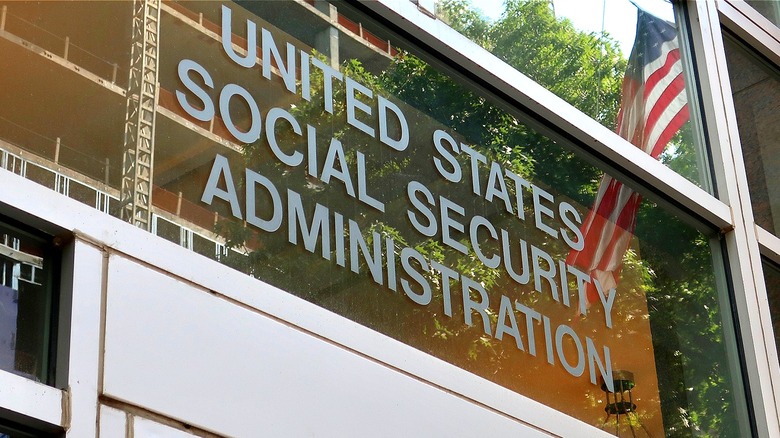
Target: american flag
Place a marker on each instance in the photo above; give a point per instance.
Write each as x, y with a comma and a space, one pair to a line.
653, 108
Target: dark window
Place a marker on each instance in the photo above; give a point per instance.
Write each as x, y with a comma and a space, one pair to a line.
29, 264
26, 428
772, 279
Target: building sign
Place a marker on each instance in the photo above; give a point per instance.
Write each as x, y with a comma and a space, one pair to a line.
357, 200
318, 154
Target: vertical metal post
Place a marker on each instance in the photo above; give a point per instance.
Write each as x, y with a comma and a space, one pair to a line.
3, 13
140, 115
67, 47
57, 151
327, 40
113, 73
333, 38
106, 168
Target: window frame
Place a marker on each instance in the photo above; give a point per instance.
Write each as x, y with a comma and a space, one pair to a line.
38, 408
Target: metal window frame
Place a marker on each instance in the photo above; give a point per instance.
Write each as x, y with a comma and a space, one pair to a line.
763, 36
29, 407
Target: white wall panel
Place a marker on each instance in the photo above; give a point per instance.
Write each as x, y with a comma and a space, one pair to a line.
113, 423
185, 353
144, 428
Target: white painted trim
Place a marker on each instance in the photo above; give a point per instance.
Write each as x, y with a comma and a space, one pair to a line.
769, 244
32, 399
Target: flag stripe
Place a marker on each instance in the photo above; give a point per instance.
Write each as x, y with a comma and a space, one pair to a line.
659, 92
671, 129
665, 48
670, 101
665, 93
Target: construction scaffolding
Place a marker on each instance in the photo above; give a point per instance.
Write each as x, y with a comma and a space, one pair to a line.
141, 111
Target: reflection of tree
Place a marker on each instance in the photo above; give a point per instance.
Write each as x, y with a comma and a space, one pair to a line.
585, 70
675, 268
687, 332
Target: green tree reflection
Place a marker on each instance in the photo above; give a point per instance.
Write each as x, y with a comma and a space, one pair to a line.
673, 271
586, 70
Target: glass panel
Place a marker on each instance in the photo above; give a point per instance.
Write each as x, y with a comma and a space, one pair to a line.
755, 85
768, 8
587, 52
27, 267
345, 169
204, 246
772, 279
84, 194
41, 175
168, 231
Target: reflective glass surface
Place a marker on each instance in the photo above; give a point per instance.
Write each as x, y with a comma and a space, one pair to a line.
755, 84
299, 143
